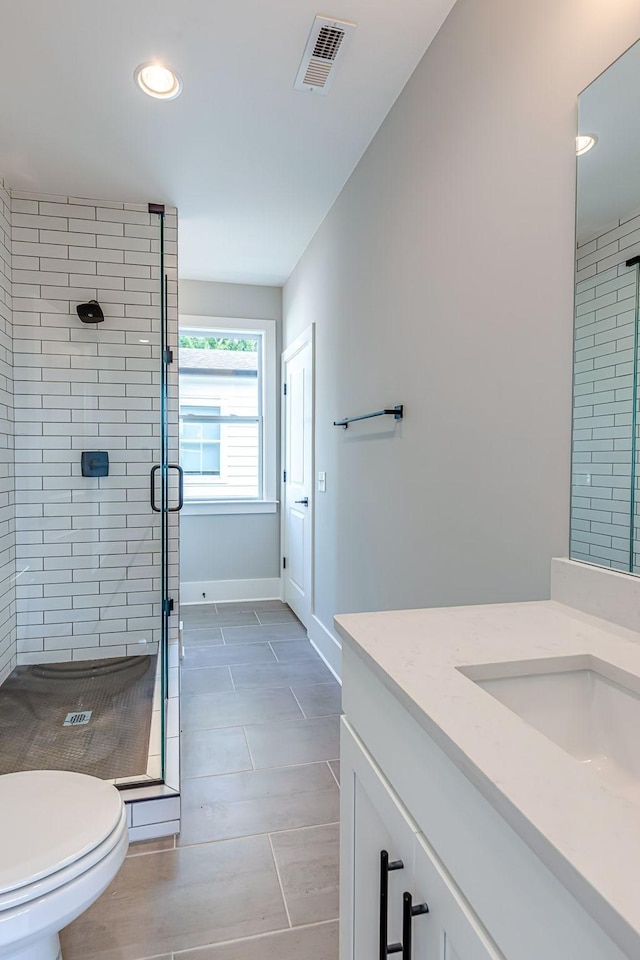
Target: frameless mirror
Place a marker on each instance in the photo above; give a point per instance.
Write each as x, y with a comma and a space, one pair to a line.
605, 493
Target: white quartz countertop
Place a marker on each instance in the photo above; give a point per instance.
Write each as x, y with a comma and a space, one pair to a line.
585, 832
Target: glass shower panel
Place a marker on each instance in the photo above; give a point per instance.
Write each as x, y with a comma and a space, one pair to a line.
91, 550
604, 488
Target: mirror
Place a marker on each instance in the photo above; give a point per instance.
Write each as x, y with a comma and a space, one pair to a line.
605, 501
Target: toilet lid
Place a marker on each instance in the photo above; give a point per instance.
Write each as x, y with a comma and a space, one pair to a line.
48, 820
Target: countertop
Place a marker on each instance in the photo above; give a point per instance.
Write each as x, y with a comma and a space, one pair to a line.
584, 831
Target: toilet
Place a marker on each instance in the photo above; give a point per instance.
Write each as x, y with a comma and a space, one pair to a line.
63, 837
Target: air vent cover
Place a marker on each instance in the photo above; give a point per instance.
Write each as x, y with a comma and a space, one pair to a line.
326, 43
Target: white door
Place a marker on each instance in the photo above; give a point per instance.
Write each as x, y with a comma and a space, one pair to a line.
297, 487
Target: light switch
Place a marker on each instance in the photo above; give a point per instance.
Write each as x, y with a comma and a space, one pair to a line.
322, 482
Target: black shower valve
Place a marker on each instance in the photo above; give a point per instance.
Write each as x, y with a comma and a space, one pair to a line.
95, 463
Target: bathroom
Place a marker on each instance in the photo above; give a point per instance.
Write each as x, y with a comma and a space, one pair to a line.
434, 265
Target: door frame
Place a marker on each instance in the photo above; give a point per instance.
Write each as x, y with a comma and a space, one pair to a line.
307, 337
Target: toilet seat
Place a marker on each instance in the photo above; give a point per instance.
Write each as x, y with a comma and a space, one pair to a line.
55, 826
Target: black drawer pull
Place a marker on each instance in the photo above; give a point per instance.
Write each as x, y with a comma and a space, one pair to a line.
385, 866
409, 911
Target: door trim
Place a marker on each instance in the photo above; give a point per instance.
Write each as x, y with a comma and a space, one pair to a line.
307, 337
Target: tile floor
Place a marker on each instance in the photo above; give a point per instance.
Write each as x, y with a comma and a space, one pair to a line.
254, 872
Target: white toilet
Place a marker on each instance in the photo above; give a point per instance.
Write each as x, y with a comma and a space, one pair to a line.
63, 837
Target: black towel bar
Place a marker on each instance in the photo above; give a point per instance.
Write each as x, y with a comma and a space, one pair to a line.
396, 412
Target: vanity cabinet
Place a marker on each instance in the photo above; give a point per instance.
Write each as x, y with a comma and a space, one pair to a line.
394, 889
490, 896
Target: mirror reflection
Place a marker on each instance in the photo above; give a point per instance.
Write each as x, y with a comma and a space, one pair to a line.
605, 528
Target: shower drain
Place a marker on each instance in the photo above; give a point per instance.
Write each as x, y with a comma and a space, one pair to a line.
77, 719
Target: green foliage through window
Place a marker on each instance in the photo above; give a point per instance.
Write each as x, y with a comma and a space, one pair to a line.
218, 343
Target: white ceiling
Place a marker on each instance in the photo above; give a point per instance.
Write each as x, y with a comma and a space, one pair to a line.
609, 175
252, 164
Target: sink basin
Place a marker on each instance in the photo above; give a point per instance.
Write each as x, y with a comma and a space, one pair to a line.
589, 708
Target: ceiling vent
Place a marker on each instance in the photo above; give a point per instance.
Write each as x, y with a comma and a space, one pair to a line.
326, 44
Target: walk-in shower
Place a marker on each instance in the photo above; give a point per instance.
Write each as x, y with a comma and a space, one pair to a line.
87, 655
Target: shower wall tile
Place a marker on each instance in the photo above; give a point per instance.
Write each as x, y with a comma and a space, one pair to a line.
89, 549
8, 647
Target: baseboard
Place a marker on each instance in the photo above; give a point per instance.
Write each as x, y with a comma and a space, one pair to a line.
327, 645
222, 591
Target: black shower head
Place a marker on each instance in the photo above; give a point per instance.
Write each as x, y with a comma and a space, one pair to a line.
90, 312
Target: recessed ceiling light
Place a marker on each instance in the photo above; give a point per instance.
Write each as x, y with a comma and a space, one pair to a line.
158, 81
585, 142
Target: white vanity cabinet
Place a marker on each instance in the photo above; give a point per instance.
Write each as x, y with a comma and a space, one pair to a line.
395, 893
489, 895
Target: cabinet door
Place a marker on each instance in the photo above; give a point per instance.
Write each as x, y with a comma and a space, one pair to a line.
373, 821
450, 931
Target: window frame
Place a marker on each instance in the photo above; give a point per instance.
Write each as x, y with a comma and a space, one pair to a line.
198, 325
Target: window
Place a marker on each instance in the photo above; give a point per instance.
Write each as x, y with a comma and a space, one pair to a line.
227, 443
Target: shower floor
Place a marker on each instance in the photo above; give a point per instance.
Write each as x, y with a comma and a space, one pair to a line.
38, 733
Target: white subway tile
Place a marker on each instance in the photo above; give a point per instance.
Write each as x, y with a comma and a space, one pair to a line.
100, 255
24, 206
53, 656
99, 653
32, 247
124, 243
105, 282
124, 216
96, 227
39, 223
63, 209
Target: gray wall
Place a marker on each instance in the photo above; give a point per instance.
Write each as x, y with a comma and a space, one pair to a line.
244, 547
230, 547
443, 278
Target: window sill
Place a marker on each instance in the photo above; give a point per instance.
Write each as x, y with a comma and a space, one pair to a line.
198, 508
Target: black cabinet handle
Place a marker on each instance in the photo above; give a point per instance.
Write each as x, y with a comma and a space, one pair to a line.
385, 866
409, 911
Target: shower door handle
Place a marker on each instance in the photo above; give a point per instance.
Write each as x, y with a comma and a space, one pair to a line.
152, 493
176, 466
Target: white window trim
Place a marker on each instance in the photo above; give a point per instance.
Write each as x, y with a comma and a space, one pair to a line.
269, 502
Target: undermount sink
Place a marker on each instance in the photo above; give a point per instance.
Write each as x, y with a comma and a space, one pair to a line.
589, 708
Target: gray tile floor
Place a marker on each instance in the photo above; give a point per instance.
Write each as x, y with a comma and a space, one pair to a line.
254, 872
